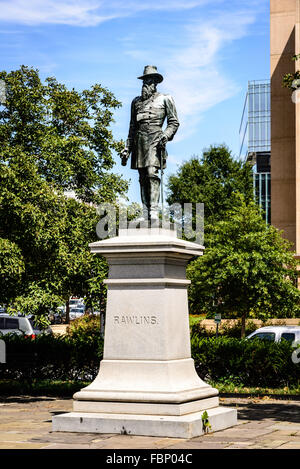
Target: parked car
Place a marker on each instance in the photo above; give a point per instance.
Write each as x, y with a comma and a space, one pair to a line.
76, 302
76, 312
21, 325
276, 333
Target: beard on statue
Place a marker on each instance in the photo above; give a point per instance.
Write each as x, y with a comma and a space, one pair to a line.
148, 90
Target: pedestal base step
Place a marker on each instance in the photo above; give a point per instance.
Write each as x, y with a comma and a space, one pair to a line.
183, 426
144, 408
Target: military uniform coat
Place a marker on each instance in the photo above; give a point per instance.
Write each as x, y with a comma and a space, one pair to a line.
145, 131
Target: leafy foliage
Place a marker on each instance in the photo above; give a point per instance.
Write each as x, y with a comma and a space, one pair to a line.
245, 362
52, 140
247, 270
212, 179
85, 329
11, 268
65, 133
288, 78
74, 356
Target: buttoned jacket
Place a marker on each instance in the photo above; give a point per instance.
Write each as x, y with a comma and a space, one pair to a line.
145, 131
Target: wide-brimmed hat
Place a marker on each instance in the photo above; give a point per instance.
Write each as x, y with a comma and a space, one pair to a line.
151, 71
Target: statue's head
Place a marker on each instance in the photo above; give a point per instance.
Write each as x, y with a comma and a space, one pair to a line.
151, 71
150, 80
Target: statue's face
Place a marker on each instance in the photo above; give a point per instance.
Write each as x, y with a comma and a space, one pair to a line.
149, 87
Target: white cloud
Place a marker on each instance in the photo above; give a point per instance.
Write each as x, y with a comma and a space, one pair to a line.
84, 12
194, 65
72, 12
137, 6
93, 12
191, 59
195, 70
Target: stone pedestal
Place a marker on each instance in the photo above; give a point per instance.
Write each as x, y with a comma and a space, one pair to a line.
147, 383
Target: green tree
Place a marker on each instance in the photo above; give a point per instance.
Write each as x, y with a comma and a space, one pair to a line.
66, 133
31, 219
247, 270
76, 271
11, 268
212, 179
52, 140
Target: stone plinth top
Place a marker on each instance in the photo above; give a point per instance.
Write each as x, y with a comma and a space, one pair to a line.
146, 240
149, 232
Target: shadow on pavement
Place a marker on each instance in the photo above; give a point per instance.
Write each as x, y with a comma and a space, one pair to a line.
27, 399
284, 411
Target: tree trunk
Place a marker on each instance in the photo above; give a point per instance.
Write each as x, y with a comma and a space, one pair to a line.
243, 330
67, 312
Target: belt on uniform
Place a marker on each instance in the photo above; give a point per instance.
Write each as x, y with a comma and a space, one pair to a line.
146, 126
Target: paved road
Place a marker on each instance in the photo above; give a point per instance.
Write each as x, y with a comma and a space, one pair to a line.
263, 423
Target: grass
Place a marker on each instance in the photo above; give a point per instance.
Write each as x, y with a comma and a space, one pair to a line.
193, 318
39, 388
68, 388
233, 389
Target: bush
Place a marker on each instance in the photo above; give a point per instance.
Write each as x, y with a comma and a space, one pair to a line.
75, 356
85, 328
244, 362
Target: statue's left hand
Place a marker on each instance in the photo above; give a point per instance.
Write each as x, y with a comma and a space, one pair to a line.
163, 141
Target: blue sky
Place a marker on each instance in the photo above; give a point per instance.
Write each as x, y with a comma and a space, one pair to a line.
207, 50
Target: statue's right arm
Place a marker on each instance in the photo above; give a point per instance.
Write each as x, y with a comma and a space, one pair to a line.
132, 126
129, 142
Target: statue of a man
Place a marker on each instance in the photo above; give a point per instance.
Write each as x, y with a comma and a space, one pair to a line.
147, 141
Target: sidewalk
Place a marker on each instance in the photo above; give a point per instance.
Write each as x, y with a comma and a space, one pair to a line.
25, 423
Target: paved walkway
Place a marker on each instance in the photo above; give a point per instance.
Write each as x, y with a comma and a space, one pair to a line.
263, 423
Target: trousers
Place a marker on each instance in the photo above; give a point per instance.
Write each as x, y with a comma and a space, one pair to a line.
150, 189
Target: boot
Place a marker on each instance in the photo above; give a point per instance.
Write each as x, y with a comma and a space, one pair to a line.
154, 193
144, 185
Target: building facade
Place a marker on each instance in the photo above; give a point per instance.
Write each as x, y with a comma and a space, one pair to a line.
285, 122
255, 140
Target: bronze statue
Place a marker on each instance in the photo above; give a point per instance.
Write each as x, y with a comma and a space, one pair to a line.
146, 141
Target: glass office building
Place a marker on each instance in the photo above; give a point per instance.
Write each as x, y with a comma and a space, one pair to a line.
255, 140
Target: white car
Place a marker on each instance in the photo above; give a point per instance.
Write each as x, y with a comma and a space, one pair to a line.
76, 302
76, 312
277, 333
21, 325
